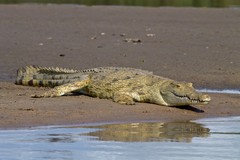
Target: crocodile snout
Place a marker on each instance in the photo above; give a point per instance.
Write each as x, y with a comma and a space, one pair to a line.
205, 98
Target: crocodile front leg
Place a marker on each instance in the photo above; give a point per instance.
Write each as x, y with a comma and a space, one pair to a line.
63, 89
123, 98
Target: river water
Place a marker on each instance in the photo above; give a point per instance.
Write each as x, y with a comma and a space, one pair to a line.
215, 139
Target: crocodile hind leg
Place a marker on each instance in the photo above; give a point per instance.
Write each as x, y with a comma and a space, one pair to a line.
63, 89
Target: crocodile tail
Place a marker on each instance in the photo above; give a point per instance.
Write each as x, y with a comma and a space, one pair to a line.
31, 69
43, 76
43, 83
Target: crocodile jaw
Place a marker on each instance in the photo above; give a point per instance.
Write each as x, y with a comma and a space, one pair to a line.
174, 100
182, 94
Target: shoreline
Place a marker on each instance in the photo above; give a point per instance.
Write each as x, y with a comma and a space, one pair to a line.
198, 45
18, 110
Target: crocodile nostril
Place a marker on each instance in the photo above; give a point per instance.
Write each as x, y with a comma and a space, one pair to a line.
206, 97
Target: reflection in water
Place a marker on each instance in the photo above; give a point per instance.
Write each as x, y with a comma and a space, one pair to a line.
103, 142
144, 132
134, 132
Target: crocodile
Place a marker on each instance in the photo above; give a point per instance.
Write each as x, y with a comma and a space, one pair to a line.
122, 85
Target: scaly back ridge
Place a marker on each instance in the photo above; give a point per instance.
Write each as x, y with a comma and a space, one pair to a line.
28, 70
28, 74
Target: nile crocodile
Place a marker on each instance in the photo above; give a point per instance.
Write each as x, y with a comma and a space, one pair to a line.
123, 85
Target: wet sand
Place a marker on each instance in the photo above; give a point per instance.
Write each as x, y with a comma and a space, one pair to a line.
198, 45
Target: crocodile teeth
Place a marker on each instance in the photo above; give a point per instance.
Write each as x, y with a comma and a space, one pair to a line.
192, 100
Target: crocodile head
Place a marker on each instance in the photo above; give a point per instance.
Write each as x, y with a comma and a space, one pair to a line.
182, 94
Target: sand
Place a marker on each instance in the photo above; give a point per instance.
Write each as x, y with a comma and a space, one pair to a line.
198, 45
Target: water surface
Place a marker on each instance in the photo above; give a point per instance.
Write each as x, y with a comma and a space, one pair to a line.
223, 91
215, 139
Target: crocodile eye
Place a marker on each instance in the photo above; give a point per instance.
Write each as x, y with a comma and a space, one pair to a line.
178, 85
190, 84
175, 85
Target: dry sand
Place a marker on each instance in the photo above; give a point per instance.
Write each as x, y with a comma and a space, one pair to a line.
198, 45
